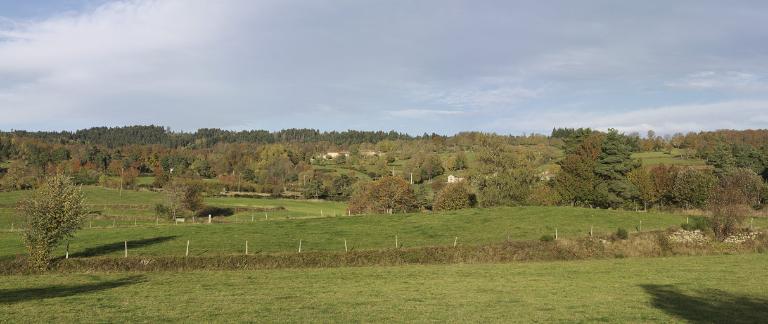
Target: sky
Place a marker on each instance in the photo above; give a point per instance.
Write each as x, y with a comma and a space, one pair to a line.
443, 66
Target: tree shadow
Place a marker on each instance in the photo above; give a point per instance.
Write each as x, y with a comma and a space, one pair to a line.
120, 246
9, 296
708, 306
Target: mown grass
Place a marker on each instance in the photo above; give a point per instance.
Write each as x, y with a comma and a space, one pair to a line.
728, 289
467, 227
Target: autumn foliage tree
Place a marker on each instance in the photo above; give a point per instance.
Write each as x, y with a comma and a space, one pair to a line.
643, 180
386, 195
454, 196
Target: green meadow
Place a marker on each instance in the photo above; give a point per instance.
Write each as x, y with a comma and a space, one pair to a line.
711, 289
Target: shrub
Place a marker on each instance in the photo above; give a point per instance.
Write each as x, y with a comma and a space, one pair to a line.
622, 233
215, 211
388, 194
547, 238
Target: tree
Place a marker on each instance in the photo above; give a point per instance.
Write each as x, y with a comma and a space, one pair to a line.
174, 195
543, 194
730, 200
192, 198
642, 179
342, 186
53, 213
692, 188
664, 181
721, 158
577, 180
504, 175
459, 162
314, 189
386, 195
613, 165
454, 196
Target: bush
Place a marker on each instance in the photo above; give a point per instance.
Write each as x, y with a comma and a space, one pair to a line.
547, 238
161, 210
622, 233
697, 223
215, 211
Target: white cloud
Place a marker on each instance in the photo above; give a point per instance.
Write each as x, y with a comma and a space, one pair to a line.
664, 119
730, 80
423, 113
285, 63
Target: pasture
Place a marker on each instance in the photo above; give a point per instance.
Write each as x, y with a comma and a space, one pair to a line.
466, 227
665, 158
727, 288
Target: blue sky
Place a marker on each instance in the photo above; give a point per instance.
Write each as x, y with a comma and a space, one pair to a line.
416, 66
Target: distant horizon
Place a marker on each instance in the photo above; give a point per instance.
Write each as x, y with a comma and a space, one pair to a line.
191, 131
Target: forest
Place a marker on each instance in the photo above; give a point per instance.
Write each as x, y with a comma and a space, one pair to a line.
573, 167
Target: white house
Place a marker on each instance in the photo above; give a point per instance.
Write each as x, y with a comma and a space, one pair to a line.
454, 179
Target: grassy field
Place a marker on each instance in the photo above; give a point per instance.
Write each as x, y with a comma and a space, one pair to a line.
472, 226
138, 206
716, 289
673, 158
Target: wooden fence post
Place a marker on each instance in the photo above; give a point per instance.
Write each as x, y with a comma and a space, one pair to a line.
455, 240
395, 241
66, 256
345, 246
555, 232
187, 253
299, 246
209, 218
126, 249
246, 247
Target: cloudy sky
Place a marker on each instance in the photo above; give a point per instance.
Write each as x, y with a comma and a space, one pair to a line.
416, 66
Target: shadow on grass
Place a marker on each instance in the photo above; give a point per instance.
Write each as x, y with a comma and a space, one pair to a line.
708, 306
120, 246
9, 296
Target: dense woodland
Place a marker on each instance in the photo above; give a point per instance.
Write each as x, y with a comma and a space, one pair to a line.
394, 172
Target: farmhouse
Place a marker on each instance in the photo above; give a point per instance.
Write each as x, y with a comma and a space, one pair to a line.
333, 155
369, 153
